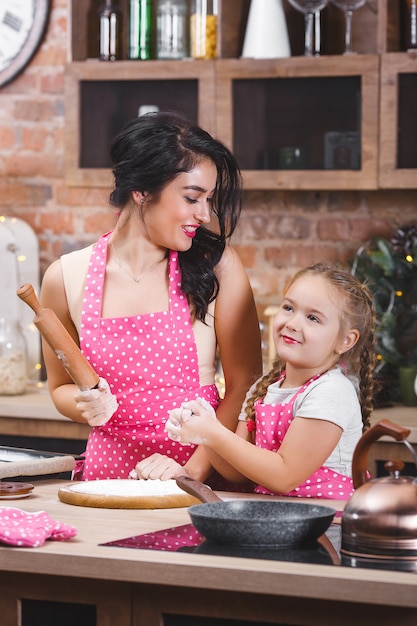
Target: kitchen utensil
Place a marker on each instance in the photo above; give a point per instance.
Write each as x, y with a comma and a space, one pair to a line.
126, 494
61, 342
250, 523
37, 467
380, 519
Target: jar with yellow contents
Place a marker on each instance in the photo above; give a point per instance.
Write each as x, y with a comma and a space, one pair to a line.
203, 28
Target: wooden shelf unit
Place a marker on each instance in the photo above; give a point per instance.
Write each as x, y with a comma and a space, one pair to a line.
101, 97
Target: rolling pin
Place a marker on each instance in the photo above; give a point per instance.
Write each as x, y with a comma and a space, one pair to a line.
61, 342
53, 465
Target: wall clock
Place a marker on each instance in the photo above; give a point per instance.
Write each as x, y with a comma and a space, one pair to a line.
22, 26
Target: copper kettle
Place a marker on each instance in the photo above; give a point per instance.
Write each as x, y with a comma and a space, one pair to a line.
379, 522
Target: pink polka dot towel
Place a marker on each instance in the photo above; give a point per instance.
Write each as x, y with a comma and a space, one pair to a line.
31, 530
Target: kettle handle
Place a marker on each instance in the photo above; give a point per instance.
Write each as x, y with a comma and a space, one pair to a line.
360, 455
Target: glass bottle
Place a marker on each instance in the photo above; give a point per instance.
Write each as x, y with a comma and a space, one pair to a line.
409, 24
203, 29
172, 29
140, 29
110, 31
13, 361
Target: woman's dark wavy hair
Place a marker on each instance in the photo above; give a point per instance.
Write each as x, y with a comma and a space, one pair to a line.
147, 155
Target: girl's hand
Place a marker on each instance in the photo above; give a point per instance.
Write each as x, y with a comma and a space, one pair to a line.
189, 423
96, 405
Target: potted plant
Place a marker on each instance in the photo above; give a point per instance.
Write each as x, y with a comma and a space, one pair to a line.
389, 268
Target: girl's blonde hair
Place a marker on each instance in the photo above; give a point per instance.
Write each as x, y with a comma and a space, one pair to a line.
356, 311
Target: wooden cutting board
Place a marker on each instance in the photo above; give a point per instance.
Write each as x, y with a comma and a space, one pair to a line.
126, 494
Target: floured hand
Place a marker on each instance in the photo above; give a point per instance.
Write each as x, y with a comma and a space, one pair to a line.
96, 405
189, 424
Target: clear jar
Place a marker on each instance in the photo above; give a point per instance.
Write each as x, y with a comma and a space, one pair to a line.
110, 17
203, 29
172, 29
13, 360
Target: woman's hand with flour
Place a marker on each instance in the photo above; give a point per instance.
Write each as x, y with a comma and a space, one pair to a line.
96, 405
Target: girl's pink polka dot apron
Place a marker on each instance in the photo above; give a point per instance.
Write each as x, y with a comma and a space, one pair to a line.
272, 423
150, 362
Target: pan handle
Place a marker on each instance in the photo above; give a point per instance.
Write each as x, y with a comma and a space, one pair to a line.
197, 489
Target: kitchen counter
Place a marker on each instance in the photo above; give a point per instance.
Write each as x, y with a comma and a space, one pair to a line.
35, 411
149, 588
33, 414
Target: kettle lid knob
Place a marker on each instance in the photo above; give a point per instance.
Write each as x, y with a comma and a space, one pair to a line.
394, 467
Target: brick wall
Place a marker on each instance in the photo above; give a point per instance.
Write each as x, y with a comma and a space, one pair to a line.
279, 230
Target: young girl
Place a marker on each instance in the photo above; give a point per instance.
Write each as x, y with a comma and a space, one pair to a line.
305, 415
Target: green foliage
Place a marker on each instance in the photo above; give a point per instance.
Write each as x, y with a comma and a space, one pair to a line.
389, 268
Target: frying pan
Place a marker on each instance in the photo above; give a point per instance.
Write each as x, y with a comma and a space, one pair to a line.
255, 523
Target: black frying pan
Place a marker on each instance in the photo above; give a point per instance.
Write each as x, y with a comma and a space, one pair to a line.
255, 523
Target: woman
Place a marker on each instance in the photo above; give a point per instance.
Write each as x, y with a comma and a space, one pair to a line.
153, 301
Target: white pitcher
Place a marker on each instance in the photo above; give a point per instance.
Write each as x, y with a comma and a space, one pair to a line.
266, 35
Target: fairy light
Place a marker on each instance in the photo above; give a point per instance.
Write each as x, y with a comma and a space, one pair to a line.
399, 293
409, 258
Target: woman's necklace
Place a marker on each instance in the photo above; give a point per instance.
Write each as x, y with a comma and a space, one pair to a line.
137, 279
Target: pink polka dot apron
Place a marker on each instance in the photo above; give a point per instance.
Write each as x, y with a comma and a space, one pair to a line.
150, 362
272, 423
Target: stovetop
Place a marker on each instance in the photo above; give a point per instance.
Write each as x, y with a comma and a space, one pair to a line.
325, 551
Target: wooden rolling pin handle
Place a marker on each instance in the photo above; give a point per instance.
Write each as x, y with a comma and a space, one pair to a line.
61, 342
28, 295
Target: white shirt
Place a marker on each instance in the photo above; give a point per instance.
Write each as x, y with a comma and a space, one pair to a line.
333, 398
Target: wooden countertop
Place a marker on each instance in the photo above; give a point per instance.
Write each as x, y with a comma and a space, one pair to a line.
33, 414
37, 405
82, 557
34, 404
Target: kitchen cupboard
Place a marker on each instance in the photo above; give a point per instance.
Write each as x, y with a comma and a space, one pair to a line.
316, 115
100, 98
398, 121
328, 122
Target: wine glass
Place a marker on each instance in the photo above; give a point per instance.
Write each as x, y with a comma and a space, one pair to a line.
311, 10
348, 6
